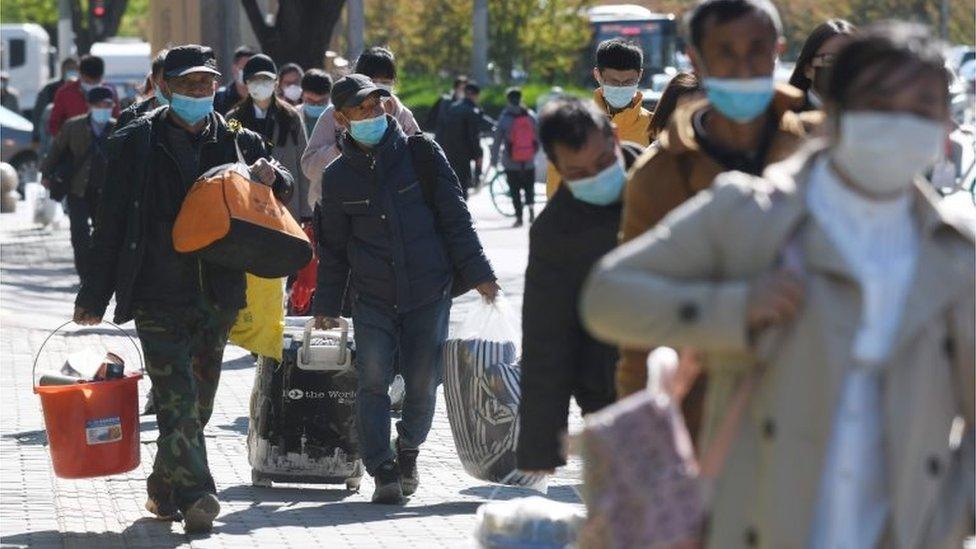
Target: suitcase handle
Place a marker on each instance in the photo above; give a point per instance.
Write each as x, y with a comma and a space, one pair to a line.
343, 341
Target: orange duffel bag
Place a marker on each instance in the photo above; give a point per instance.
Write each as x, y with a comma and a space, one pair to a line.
231, 221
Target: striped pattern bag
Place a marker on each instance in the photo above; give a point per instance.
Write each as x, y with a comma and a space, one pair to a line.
481, 387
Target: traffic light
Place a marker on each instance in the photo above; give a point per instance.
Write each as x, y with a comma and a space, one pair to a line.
97, 8
97, 12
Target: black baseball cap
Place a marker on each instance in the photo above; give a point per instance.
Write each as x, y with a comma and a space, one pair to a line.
260, 65
188, 59
353, 89
99, 94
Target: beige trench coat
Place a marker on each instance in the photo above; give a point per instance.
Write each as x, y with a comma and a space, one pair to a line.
685, 283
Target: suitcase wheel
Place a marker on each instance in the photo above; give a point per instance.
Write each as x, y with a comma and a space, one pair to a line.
352, 484
258, 479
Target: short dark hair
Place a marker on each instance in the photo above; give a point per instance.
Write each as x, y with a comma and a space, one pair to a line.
820, 35
158, 63
619, 54
291, 67
243, 51
888, 46
723, 11
460, 81
70, 60
377, 62
472, 89
317, 81
514, 95
682, 84
92, 66
570, 121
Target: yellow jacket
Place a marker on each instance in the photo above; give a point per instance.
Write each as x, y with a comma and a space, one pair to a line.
631, 124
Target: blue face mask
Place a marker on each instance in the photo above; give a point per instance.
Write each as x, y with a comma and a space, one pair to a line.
191, 109
619, 97
314, 111
161, 100
71, 75
740, 99
601, 189
369, 132
101, 116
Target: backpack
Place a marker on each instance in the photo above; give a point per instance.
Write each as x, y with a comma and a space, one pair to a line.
423, 155
521, 138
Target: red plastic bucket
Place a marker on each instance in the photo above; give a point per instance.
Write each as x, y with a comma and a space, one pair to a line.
92, 428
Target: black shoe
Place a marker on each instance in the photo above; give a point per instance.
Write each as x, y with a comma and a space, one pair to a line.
199, 516
518, 223
163, 510
388, 489
531, 215
407, 459
150, 408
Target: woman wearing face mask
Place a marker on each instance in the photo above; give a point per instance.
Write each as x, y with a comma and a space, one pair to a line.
290, 83
816, 58
841, 274
279, 123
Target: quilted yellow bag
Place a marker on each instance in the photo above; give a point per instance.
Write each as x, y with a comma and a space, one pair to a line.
260, 327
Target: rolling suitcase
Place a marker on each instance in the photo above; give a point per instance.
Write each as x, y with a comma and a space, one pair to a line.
302, 425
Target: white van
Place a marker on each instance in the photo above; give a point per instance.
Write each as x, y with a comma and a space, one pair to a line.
26, 54
127, 62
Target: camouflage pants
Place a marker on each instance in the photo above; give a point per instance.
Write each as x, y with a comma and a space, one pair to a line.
184, 348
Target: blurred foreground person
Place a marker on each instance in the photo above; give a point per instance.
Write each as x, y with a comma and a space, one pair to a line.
837, 287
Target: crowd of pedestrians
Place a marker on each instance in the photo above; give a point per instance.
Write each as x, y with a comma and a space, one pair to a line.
774, 235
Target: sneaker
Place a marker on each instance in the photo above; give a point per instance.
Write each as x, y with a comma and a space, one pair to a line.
199, 517
163, 510
407, 459
388, 489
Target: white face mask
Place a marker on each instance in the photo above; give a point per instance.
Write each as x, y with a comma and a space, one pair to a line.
260, 89
292, 93
883, 152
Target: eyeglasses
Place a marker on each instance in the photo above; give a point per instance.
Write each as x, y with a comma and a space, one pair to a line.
824, 60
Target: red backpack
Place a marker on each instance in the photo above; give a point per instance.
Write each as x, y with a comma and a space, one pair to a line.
521, 138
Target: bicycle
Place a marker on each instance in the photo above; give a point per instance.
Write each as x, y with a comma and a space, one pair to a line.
501, 197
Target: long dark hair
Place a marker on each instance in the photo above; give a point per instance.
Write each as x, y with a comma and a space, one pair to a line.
680, 85
286, 117
824, 31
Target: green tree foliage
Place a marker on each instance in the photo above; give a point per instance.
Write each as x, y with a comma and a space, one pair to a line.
135, 21
544, 37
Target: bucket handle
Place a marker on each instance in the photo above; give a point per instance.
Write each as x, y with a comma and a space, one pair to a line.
343, 341
142, 365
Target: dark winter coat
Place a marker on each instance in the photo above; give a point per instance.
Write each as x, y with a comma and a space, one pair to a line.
374, 223
460, 135
138, 162
559, 358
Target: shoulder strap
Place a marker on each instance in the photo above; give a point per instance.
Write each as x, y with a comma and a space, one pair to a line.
422, 156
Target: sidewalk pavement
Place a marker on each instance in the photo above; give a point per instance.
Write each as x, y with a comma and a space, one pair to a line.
37, 509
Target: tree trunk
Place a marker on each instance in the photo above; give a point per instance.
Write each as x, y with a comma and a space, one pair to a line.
301, 32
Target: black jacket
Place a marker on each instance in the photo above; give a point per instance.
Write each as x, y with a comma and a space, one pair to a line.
375, 224
559, 358
460, 133
134, 111
137, 157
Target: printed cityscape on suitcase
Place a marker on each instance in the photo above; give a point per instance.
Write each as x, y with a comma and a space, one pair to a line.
302, 425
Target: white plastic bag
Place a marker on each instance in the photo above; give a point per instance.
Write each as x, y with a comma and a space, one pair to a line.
534, 521
496, 322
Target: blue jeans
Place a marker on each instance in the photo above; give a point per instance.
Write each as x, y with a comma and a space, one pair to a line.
418, 335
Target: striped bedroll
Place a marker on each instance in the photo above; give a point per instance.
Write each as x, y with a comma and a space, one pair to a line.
481, 387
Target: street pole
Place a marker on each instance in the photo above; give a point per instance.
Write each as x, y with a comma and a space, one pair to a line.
66, 34
479, 57
944, 21
355, 29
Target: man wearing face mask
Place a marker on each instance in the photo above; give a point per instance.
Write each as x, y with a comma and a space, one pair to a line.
71, 99
229, 95
183, 307
744, 123
83, 142
839, 287
578, 226
316, 89
279, 124
69, 72
324, 144
396, 241
619, 68
156, 100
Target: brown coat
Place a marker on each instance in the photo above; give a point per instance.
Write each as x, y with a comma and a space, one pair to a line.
702, 257
75, 140
673, 171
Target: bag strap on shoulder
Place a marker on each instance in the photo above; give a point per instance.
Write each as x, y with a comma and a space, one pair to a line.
422, 156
